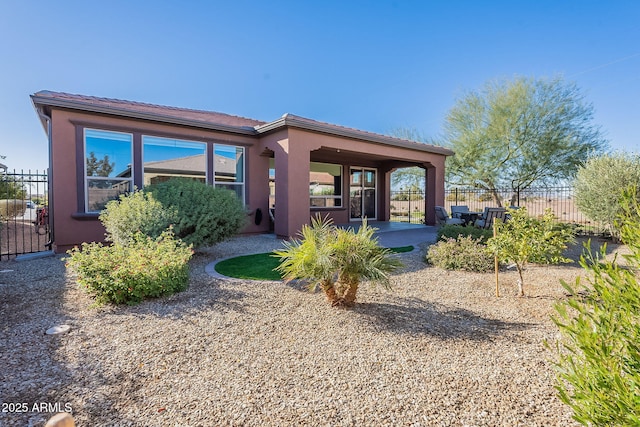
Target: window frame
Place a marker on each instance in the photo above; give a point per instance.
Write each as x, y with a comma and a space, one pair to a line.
328, 197
231, 183
191, 141
86, 178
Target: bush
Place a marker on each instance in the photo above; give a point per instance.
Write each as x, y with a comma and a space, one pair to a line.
486, 197
206, 215
145, 267
136, 212
599, 355
453, 197
11, 208
452, 231
462, 253
599, 183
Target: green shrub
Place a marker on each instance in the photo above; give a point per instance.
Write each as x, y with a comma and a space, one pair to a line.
145, 267
453, 197
452, 231
599, 184
462, 253
599, 354
206, 215
11, 208
136, 212
485, 197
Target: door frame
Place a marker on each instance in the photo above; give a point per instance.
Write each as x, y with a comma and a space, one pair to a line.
363, 169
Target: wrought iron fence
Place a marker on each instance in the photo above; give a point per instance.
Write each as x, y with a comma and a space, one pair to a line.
408, 206
24, 217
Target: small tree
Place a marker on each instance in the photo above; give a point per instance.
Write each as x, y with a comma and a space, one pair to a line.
599, 355
599, 184
524, 239
336, 260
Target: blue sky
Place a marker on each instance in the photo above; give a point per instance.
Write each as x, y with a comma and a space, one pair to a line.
376, 66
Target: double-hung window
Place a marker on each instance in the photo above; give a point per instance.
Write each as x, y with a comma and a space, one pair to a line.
107, 167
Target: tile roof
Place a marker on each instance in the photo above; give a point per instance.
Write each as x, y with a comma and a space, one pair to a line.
215, 120
161, 111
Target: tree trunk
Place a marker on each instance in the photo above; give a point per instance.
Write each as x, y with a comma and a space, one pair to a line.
496, 197
330, 292
350, 295
520, 282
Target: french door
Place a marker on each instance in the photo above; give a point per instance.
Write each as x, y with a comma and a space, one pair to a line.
362, 194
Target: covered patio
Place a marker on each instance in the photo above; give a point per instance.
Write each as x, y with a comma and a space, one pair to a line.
360, 164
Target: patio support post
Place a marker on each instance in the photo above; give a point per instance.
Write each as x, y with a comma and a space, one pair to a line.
292, 187
431, 199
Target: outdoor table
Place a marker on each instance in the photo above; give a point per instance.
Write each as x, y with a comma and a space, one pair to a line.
470, 217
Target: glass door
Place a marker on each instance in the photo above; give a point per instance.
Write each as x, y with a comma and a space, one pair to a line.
362, 194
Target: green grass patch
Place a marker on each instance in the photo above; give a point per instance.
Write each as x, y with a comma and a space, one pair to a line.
254, 267
401, 249
261, 266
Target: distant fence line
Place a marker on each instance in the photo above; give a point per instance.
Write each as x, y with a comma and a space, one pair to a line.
408, 206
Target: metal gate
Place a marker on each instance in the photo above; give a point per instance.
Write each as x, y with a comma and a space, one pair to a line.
24, 213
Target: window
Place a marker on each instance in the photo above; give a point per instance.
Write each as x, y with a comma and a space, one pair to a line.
325, 185
165, 158
228, 168
108, 159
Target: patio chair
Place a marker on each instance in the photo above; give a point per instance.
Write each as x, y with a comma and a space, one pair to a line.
442, 217
457, 211
489, 215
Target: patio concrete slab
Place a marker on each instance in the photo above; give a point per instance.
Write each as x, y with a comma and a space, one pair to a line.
397, 234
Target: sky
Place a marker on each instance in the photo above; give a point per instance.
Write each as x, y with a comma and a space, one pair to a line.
378, 66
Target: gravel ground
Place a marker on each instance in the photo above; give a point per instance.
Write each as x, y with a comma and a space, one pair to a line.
439, 349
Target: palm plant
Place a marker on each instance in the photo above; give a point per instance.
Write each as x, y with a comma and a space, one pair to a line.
337, 260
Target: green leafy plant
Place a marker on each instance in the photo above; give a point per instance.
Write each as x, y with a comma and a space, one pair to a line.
524, 239
452, 231
206, 215
599, 183
136, 212
337, 260
126, 274
464, 253
599, 353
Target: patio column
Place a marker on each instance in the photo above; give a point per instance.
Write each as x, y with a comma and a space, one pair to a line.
430, 195
292, 187
434, 194
384, 193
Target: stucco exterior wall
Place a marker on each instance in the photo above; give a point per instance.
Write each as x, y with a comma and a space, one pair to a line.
292, 149
72, 226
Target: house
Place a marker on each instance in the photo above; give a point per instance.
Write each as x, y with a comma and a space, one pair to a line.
101, 148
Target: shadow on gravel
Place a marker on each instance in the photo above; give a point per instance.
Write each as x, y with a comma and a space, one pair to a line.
32, 378
201, 296
414, 316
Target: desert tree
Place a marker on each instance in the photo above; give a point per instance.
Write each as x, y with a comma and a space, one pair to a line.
520, 132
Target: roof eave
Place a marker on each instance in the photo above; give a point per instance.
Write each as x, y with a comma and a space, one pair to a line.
114, 111
288, 120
